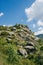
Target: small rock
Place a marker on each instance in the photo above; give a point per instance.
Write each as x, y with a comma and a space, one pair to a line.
11, 33
20, 34
14, 28
8, 40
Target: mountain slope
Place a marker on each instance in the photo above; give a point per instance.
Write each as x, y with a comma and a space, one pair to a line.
40, 36
19, 47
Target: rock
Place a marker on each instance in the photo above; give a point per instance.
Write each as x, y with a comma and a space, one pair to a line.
11, 33
30, 43
21, 30
21, 35
30, 49
23, 52
27, 39
9, 37
8, 40
13, 29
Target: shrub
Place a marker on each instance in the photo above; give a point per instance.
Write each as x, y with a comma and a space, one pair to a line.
41, 48
39, 40
3, 41
17, 26
39, 60
4, 33
3, 28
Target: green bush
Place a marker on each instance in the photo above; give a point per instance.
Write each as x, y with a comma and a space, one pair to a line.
3, 41
39, 41
17, 26
4, 33
3, 28
41, 48
39, 59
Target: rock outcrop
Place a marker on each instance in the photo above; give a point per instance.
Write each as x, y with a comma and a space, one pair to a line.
21, 36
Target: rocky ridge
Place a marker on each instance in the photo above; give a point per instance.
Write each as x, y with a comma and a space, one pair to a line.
19, 41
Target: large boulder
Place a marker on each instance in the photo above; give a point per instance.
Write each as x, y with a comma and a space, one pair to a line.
23, 52
30, 49
30, 43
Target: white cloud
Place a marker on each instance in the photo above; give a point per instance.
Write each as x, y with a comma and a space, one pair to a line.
1, 14
40, 23
35, 11
4, 25
39, 32
40, 0
34, 25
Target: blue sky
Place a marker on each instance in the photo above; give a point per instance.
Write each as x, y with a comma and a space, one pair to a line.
20, 11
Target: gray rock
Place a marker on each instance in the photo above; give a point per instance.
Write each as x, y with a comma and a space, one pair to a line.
21, 35
11, 33
14, 28
9, 37
29, 47
21, 30
8, 40
23, 52
30, 43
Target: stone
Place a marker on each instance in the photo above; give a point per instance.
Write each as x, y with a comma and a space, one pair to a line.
20, 34
30, 43
8, 40
30, 49
11, 33
14, 28
23, 52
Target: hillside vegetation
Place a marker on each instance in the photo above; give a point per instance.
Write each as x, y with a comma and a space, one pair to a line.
19, 46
